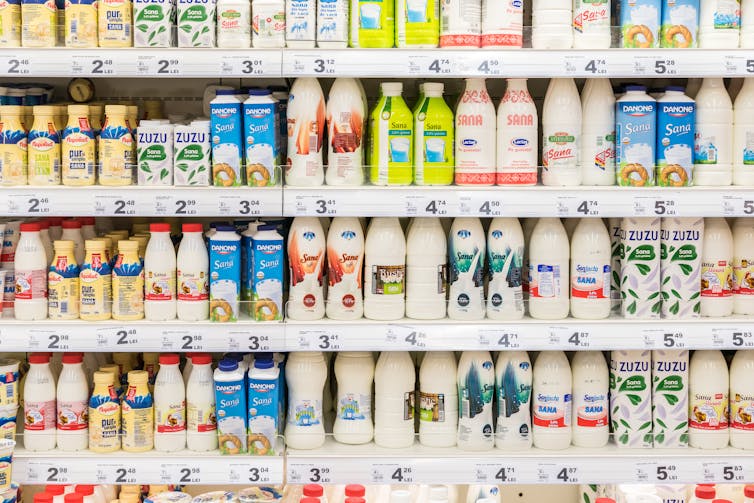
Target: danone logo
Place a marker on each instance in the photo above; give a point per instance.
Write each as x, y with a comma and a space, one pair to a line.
224, 113
309, 235
464, 233
348, 235
497, 234
637, 110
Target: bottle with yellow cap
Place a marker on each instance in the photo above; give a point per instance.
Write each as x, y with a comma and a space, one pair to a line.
63, 283
114, 371
44, 147
116, 152
13, 146
95, 282
77, 148
138, 414
104, 414
40, 23
128, 283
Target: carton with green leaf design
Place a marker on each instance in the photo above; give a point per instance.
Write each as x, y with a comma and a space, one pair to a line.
631, 398
670, 396
196, 23
192, 154
154, 153
153, 23
640, 268
680, 263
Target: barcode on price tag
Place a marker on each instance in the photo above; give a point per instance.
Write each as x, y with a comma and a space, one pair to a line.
26, 204
391, 473
496, 474
92, 65
105, 204
316, 205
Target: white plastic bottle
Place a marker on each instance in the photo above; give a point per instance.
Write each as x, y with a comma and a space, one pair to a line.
467, 253
384, 270
742, 401
591, 380
502, 24
708, 400
475, 136
719, 24
306, 131
476, 389
747, 24
394, 396
72, 405
346, 116
590, 270
159, 275
426, 269
513, 380
306, 259
72, 232
305, 375
549, 255
437, 404
201, 427
345, 258
743, 266
233, 23
598, 132
39, 404
743, 133
517, 136
561, 134
591, 24
354, 371
31, 275
551, 24
169, 406
717, 268
713, 145
505, 256
192, 275
552, 401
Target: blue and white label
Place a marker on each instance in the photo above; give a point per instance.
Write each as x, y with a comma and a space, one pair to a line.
263, 415
230, 400
227, 141
260, 124
635, 142
675, 143
224, 279
266, 277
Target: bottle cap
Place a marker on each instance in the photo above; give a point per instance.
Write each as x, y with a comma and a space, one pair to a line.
159, 227
313, 490
192, 227
43, 497
29, 227
38, 358
201, 358
169, 359
73, 498
71, 224
355, 490
85, 489
73, 358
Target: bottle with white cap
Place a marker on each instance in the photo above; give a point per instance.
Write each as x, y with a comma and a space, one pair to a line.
39, 404
561, 133
437, 404
354, 371
597, 132
391, 131
475, 136
591, 24
549, 282
346, 117
717, 270
305, 375
72, 232
551, 24
384, 270
553, 400
713, 145
742, 400
306, 131
306, 259
743, 132
708, 400
505, 255
476, 389
590, 270
719, 24
426, 269
345, 258
394, 390
467, 253
517, 132
743, 266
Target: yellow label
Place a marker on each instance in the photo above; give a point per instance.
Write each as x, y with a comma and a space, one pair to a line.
78, 158
114, 23
116, 158
13, 159
5, 472
104, 420
10, 24
96, 291
44, 162
128, 296
62, 297
138, 420
81, 24
39, 23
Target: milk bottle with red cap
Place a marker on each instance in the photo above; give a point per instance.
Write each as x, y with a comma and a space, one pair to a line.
517, 144
475, 136
39, 404
169, 406
192, 275
201, 427
31, 275
561, 133
159, 275
72, 405
72, 232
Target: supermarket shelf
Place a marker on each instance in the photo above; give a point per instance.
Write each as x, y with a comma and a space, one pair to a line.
107, 336
185, 467
368, 464
518, 202
365, 63
365, 335
141, 201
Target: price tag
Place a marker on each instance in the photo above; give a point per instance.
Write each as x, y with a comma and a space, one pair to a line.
665, 66
92, 65
734, 206
571, 206
732, 337
114, 205
665, 207
245, 474
164, 205
25, 204
314, 64
406, 337
180, 473
120, 338
306, 473
234, 65
666, 472
579, 339
489, 67
116, 473
157, 66
185, 207
646, 472
429, 65
316, 205
392, 473
723, 472
182, 340
592, 66
497, 339
672, 340
15, 66
238, 205
735, 65
45, 472
417, 205
319, 340
479, 204
54, 340
554, 473
496, 474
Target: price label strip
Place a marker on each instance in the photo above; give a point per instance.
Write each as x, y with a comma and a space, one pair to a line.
392, 473
29, 204
480, 204
239, 204
15, 66
316, 473
45, 472
736, 338
408, 338
96, 66
162, 66
556, 473
117, 473
723, 472
111, 204
182, 340
499, 339
430, 65
243, 65
428, 206
319, 340
258, 473
51, 339
311, 64
319, 205
180, 473
255, 339
494, 473
120, 338
737, 206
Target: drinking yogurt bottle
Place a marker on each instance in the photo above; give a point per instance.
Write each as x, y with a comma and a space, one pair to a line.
561, 134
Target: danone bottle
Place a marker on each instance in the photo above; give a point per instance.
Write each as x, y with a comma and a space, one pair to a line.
128, 282
116, 148
78, 147
391, 135
95, 282
44, 148
475, 136
13, 146
433, 138
63, 283
138, 414
104, 414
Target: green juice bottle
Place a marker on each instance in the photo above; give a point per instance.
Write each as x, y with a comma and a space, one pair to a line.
433, 138
391, 130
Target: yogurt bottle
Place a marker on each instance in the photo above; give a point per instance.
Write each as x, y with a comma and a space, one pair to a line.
95, 282
345, 259
467, 253
513, 380
476, 389
260, 134
437, 404
306, 259
30, 275
384, 270
426, 270
591, 24
104, 414
552, 401
169, 406
306, 131
598, 133
548, 270
461, 23
719, 24
680, 23
39, 404
434, 138
675, 138
717, 269
551, 22
505, 255
43, 147
116, 149
301, 23
475, 136
713, 144
561, 134
741, 403
502, 24
230, 400
13, 147
128, 282
267, 24
517, 130
590, 399
224, 274
78, 147
635, 137
305, 375
743, 133
267, 274
346, 116
354, 372
227, 139
233, 24
138, 414
72, 405
590, 270
743, 267
417, 24
201, 422
159, 275
391, 133
63, 283
394, 400
708, 400
192, 275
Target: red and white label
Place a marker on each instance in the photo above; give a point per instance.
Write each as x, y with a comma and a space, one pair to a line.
73, 416
39, 416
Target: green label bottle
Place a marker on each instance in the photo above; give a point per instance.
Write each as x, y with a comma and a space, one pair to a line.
433, 138
391, 134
